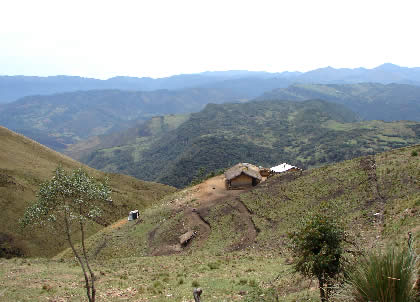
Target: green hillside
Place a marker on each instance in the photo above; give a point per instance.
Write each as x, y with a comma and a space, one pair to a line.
133, 139
386, 183
371, 101
266, 133
63, 119
241, 241
24, 164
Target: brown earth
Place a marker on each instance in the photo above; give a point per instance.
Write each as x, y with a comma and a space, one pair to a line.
196, 204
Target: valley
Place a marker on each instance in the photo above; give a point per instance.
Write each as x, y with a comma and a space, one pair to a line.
164, 145
306, 134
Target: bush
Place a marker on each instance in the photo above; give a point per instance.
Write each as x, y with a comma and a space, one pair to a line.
385, 276
213, 265
414, 153
317, 250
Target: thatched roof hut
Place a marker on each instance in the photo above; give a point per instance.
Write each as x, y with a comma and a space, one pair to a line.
242, 175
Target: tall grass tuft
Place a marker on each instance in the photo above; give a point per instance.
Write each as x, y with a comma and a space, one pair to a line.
386, 276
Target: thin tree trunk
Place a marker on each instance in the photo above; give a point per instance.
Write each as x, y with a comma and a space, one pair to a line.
78, 258
322, 289
92, 275
329, 289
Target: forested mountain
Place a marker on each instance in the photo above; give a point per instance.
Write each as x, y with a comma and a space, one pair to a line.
265, 133
24, 165
136, 138
371, 101
251, 83
62, 119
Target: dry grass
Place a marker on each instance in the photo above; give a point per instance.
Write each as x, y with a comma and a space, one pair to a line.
24, 164
163, 278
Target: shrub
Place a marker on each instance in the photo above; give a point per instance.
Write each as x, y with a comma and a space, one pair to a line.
213, 265
317, 250
414, 153
385, 276
195, 284
243, 281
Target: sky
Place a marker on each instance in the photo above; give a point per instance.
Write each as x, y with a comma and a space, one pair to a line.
159, 38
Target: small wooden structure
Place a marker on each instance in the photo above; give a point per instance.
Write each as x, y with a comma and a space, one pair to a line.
133, 215
186, 237
242, 175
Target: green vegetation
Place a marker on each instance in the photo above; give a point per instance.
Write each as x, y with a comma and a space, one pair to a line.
318, 249
385, 276
305, 134
25, 165
371, 101
68, 202
241, 253
134, 140
63, 119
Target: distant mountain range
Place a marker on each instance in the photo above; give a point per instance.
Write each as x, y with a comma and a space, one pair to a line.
63, 119
371, 101
250, 82
306, 134
15, 87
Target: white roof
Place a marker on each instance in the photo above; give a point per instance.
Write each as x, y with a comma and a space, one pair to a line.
282, 168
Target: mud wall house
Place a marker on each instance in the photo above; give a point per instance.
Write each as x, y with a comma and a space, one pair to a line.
242, 176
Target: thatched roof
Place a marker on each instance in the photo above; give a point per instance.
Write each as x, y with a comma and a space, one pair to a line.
247, 169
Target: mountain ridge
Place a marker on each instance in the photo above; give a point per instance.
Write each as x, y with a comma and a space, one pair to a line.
15, 87
371, 101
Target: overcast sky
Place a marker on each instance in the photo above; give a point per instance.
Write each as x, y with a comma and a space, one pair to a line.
158, 38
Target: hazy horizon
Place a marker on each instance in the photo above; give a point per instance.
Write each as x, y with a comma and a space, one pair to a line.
202, 72
104, 39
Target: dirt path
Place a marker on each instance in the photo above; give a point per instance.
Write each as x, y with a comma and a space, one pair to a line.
213, 189
196, 203
118, 224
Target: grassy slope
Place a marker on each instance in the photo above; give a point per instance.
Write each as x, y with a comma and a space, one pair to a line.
225, 262
354, 186
305, 134
24, 164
